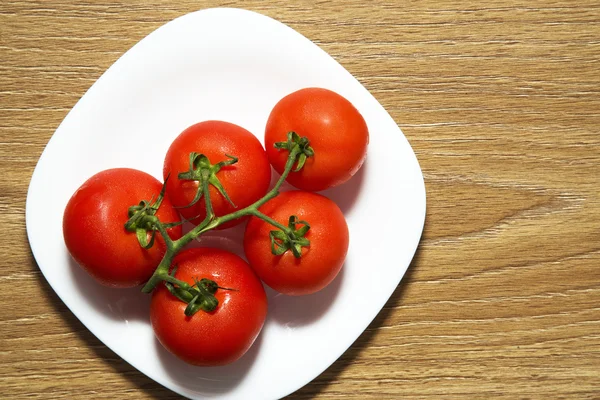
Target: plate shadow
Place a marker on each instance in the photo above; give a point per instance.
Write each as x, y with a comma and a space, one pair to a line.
346, 194
208, 381
293, 311
117, 303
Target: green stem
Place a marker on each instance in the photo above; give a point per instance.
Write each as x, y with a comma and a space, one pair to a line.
175, 281
163, 232
161, 272
271, 221
210, 214
253, 208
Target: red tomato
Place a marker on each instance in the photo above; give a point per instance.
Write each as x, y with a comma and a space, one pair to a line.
223, 335
337, 133
245, 181
319, 263
94, 227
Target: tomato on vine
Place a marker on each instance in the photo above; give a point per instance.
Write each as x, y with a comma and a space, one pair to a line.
232, 300
303, 253
337, 133
234, 161
95, 232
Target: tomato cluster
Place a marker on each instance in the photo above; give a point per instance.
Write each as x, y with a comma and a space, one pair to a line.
124, 227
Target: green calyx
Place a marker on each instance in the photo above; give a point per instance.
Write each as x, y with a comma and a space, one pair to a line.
203, 172
291, 238
142, 219
305, 151
199, 296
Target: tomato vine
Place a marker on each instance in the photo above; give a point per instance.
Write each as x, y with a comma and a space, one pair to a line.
200, 295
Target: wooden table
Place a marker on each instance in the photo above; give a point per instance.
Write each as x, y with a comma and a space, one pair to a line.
501, 103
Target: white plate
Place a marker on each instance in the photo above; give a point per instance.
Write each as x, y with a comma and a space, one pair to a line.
233, 65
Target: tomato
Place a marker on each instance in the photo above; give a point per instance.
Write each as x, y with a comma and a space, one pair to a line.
245, 181
94, 227
223, 335
319, 263
336, 130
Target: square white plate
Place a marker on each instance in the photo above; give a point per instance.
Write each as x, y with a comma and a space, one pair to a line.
233, 65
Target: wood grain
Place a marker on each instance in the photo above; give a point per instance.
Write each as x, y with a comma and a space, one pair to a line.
500, 101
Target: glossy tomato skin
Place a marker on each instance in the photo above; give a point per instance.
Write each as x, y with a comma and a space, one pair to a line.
245, 181
94, 227
336, 130
211, 338
320, 262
